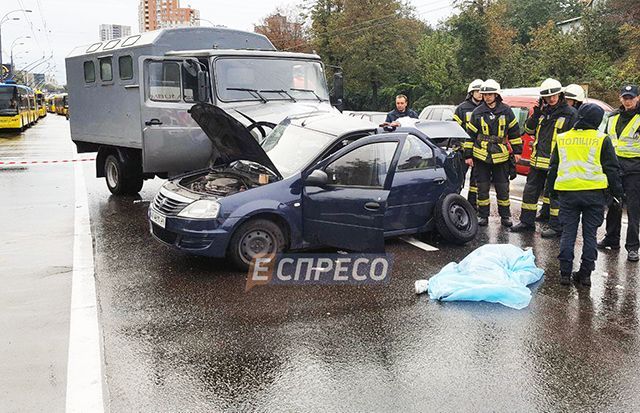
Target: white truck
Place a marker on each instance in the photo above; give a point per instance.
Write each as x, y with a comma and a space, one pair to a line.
129, 98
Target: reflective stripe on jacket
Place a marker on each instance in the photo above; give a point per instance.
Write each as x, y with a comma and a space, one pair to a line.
580, 168
628, 143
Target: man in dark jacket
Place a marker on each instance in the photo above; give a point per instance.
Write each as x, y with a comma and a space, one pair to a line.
462, 115
550, 117
583, 166
400, 111
623, 128
492, 129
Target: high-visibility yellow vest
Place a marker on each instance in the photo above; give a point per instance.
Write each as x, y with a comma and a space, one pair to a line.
628, 143
580, 168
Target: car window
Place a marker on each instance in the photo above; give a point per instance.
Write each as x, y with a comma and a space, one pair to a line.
366, 166
416, 154
436, 114
447, 114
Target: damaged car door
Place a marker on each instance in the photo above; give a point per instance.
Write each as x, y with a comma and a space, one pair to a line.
345, 197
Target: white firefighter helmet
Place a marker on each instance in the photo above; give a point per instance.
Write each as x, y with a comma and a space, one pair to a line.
575, 92
490, 86
550, 87
475, 85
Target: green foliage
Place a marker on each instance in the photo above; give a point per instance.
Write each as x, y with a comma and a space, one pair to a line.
384, 49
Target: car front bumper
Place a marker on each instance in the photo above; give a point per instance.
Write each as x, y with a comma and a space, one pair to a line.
200, 237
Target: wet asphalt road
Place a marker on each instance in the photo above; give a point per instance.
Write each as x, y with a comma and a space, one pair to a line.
181, 334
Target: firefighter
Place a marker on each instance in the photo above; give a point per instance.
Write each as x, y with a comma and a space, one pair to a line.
575, 96
492, 128
624, 130
462, 116
551, 116
583, 166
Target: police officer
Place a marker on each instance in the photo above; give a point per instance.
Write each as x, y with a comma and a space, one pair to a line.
550, 117
462, 115
491, 129
575, 96
400, 111
583, 166
624, 130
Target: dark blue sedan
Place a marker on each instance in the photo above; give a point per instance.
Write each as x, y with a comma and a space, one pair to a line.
321, 179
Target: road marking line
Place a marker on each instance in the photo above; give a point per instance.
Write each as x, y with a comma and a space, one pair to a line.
417, 243
84, 368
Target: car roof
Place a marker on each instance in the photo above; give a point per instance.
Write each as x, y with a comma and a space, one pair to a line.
436, 129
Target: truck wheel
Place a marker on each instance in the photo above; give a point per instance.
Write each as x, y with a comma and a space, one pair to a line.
456, 220
254, 239
118, 182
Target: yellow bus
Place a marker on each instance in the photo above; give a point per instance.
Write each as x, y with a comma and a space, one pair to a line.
15, 107
53, 104
62, 105
42, 106
33, 108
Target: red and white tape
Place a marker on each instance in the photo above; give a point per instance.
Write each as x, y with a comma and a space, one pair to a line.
46, 161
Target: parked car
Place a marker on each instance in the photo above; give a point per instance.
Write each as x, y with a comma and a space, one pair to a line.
438, 112
522, 101
320, 179
376, 117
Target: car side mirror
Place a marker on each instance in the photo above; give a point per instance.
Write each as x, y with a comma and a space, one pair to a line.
338, 90
193, 68
317, 178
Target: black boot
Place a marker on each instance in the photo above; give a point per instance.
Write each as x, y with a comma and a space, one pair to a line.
583, 277
506, 222
522, 227
565, 278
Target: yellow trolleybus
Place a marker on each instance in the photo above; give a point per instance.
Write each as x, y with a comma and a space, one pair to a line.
15, 106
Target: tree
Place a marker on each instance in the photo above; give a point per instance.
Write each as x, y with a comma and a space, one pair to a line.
285, 29
371, 40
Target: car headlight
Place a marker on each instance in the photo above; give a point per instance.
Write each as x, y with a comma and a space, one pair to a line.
201, 209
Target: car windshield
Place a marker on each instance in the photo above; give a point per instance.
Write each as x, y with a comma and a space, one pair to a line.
291, 147
8, 101
521, 114
264, 79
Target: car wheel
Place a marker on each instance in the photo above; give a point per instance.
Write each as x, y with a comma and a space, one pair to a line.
118, 182
254, 239
456, 220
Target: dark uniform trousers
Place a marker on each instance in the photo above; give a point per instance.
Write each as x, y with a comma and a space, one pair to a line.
535, 186
472, 196
498, 174
574, 204
631, 185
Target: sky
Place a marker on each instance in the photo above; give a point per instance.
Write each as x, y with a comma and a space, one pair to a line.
55, 27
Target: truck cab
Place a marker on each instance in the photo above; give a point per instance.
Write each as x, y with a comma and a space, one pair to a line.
130, 97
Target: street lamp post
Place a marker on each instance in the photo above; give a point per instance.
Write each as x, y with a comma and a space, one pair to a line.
4, 19
13, 45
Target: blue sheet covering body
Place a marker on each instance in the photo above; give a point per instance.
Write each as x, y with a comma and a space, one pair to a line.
497, 273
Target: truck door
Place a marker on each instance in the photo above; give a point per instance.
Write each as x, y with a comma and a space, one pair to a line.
171, 140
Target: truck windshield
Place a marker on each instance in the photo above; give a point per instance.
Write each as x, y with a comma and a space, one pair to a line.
8, 101
266, 79
291, 147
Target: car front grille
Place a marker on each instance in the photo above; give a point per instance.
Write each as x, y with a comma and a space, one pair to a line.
168, 206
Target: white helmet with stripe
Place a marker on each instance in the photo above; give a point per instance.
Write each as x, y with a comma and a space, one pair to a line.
490, 86
550, 87
575, 92
475, 85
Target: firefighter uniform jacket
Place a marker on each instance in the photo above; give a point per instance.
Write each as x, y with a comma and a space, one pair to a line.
490, 133
463, 112
544, 127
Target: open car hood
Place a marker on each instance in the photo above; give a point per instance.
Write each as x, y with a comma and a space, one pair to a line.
230, 139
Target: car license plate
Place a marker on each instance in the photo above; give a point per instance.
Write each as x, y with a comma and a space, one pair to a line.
158, 219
